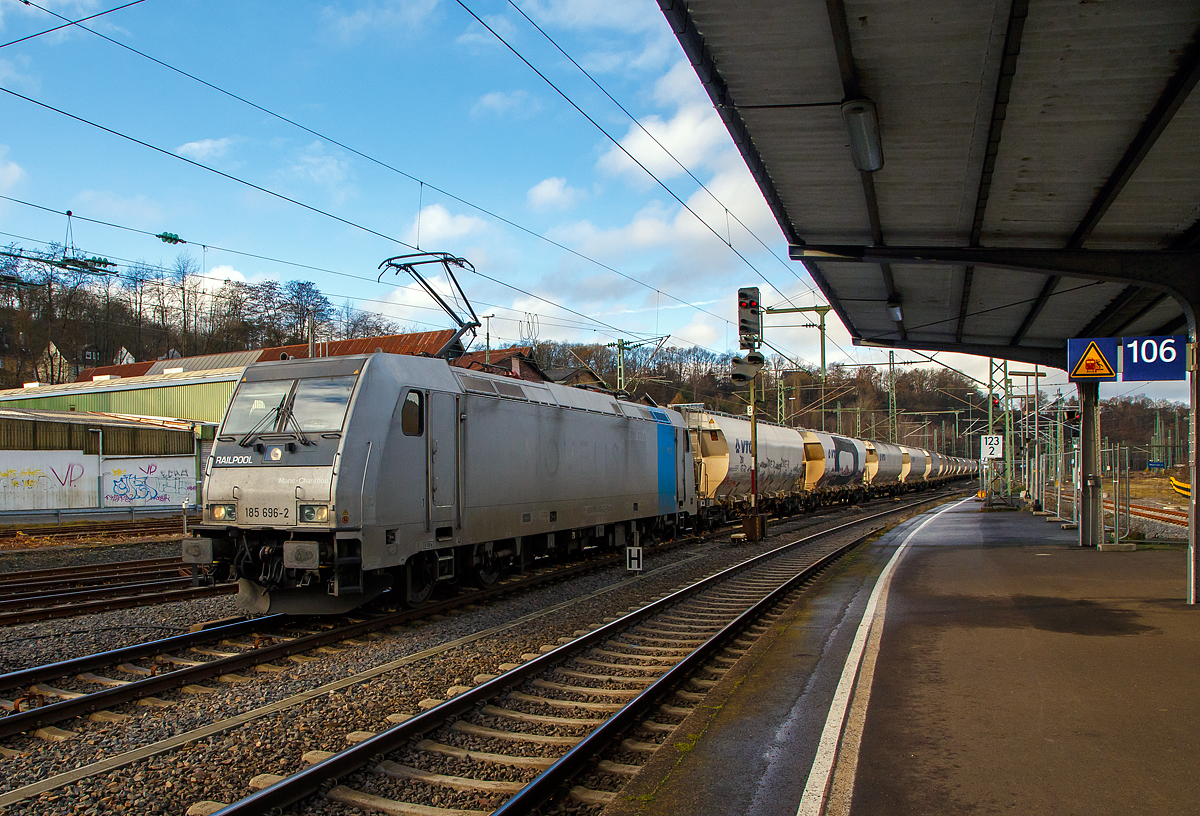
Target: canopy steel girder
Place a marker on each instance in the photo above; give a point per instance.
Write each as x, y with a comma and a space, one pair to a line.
1175, 273
1168, 105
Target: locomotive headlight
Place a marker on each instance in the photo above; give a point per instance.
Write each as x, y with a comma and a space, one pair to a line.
274, 453
224, 512
314, 513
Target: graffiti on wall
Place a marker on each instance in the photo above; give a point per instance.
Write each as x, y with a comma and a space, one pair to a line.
46, 480
149, 481
51, 480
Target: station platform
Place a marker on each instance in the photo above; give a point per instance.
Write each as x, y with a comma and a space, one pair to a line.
999, 669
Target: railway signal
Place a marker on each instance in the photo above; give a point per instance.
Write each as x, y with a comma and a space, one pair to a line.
746, 369
749, 317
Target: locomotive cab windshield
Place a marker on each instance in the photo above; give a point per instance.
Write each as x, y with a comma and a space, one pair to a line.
296, 406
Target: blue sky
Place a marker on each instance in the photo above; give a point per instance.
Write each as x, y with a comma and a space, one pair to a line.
421, 86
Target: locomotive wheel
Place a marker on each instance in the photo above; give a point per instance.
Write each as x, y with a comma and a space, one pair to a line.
485, 570
421, 576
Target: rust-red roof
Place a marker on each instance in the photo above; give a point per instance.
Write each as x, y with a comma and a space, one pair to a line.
496, 355
418, 343
127, 370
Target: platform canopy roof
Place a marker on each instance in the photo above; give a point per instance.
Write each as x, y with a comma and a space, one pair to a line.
1041, 160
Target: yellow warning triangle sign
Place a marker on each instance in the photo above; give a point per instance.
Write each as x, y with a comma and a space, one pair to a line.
1093, 364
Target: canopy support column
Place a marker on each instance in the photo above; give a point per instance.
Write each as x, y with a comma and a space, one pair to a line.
1193, 576
1091, 515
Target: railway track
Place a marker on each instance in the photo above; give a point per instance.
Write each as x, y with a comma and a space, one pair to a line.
36, 595
517, 740
1166, 516
86, 574
96, 687
98, 529
219, 653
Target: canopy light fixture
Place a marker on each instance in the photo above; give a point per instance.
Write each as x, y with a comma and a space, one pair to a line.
893, 309
863, 123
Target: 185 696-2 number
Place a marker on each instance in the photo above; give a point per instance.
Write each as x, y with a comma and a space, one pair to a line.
267, 512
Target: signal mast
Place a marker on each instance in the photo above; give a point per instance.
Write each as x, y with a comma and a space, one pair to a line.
750, 327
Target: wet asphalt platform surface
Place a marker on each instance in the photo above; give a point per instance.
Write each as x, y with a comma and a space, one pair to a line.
1016, 673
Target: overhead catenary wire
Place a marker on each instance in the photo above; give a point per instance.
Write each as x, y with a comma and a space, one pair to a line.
358, 226
652, 137
621, 147
66, 24
164, 307
283, 197
423, 184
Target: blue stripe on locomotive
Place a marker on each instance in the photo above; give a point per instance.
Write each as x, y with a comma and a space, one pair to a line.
666, 463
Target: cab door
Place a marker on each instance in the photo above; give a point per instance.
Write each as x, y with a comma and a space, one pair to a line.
443, 462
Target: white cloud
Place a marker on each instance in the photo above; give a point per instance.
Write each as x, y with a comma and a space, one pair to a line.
13, 75
553, 193
700, 331
391, 15
680, 86
522, 102
435, 225
626, 16
219, 275
478, 35
316, 166
205, 149
11, 173
695, 136
108, 205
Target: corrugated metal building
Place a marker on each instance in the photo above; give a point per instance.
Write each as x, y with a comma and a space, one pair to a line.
24, 430
188, 395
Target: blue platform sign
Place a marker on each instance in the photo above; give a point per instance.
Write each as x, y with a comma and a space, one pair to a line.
1092, 359
1154, 358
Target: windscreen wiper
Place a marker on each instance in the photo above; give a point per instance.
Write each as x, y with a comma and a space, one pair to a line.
290, 418
254, 432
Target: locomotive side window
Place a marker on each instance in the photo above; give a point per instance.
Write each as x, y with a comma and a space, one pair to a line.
412, 414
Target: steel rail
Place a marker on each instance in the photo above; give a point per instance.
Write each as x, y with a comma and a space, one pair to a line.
546, 784
130, 602
94, 581
153, 524
89, 569
42, 600
65, 668
17, 723
311, 780
1178, 518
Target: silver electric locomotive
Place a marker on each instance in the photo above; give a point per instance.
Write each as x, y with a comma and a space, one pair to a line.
333, 480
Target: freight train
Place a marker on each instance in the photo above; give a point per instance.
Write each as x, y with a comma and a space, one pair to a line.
334, 480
